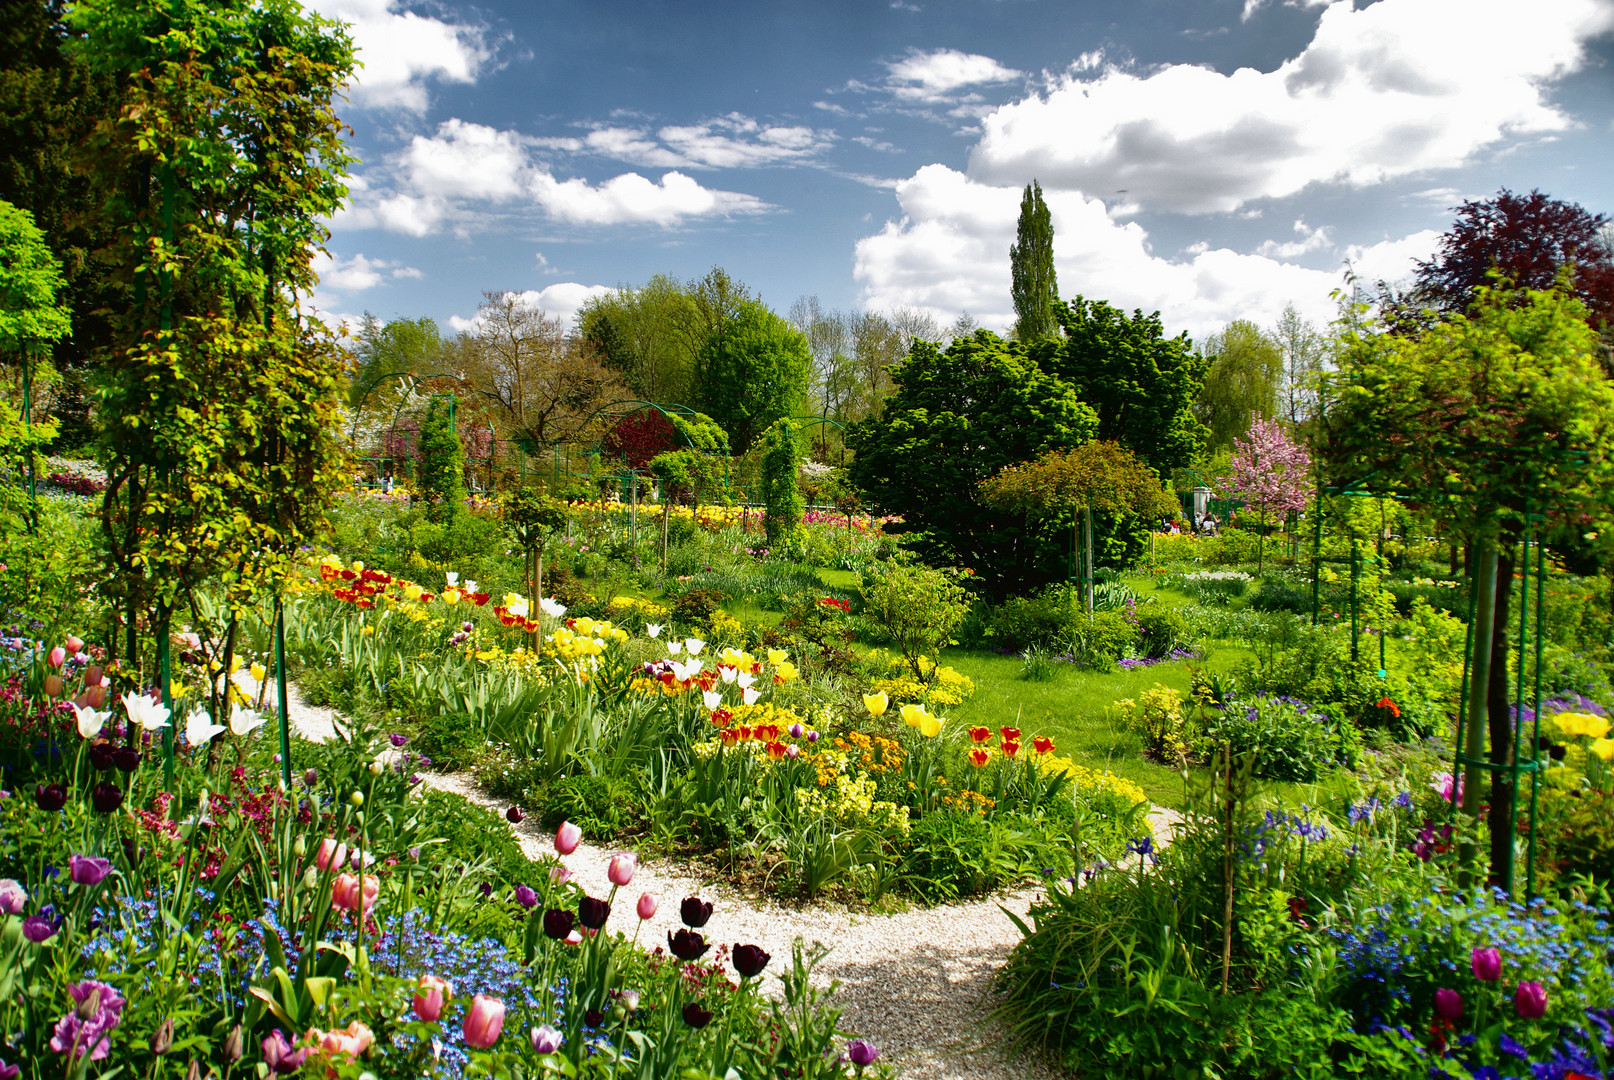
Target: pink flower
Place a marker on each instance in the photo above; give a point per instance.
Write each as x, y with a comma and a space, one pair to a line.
354, 1039
58, 656
345, 891
484, 1021
1487, 964
74, 644
1448, 1004
647, 906
559, 875
621, 869
76, 1034
434, 993
330, 853
1444, 785
567, 837
1530, 1000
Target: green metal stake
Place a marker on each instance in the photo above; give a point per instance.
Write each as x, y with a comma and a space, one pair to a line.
165, 674
280, 687
1535, 735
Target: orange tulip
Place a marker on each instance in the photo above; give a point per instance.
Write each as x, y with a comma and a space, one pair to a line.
1009, 747
981, 734
979, 757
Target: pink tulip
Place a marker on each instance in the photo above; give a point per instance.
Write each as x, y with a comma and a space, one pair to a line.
74, 644
92, 675
58, 656
567, 837
1530, 999
559, 875
621, 868
433, 995
647, 906
354, 1039
484, 1021
345, 892
1487, 964
1448, 1004
330, 854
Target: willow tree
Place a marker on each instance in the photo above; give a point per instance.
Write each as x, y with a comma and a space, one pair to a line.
1071, 484
1500, 416
218, 408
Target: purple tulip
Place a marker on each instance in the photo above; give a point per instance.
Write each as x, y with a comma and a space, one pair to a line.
862, 1053
126, 758
1487, 964
592, 913
280, 1055
1448, 1004
526, 897
1530, 1000
546, 1040
9, 1072
88, 1028
398, 740
687, 945
87, 870
42, 926
749, 960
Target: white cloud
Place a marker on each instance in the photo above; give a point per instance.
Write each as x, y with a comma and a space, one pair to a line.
1395, 88
932, 76
562, 301
1252, 6
735, 141
630, 198
358, 273
464, 170
400, 51
1392, 260
950, 253
1310, 240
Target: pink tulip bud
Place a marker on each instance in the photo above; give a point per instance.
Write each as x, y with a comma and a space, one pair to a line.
1530, 1000
559, 875
484, 1021
647, 906
434, 993
58, 656
330, 853
567, 837
621, 868
74, 644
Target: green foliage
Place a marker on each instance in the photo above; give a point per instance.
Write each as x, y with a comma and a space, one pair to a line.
1141, 384
398, 347
752, 373
1160, 630
781, 464
917, 608
532, 517
959, 416
1034, 287
1061, 483
30, 282
1241, 383
442, 462
1286, 739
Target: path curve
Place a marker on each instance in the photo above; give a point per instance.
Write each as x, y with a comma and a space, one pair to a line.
917, 983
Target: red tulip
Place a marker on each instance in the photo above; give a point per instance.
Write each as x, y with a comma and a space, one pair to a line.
484, 1021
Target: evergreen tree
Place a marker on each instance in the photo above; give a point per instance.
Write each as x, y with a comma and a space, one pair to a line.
442, 462
1031, 262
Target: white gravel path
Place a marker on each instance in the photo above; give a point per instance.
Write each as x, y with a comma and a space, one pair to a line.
917, 983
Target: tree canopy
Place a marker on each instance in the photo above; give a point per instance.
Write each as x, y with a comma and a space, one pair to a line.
752, 370
1034, 285
30, 281
1242, 380
1105, 475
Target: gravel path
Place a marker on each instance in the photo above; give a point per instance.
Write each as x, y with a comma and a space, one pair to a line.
917, 983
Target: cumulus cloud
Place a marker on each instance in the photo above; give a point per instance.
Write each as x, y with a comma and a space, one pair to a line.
1392, 260
464, 170
401, 50
1395, 88
949, 254
1252, 6
1309, 240
735, 141
562, 301
933, 76
358, 273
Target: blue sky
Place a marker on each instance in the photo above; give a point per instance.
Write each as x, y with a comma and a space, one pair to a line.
1212, 159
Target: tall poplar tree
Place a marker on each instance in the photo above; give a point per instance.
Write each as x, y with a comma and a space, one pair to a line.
1031, 262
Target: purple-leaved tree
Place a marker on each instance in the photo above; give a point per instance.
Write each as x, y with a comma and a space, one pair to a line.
1271, 473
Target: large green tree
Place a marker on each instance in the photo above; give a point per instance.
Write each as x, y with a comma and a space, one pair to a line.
1141, 383
1495, 416
960, 415
1242, 381
752, 370
1031, 267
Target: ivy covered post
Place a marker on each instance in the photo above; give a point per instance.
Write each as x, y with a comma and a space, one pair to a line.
532, 518
218, 423
677, 470
781, 491
442, 460
1072, 484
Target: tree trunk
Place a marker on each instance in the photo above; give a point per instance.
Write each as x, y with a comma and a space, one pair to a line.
1477, 720
1501, 723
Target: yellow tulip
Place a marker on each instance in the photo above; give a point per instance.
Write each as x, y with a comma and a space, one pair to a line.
258, 671
777, 657
358, 567
1603, 748
786, 671
876, 703
912, 715
930, 726
450, 596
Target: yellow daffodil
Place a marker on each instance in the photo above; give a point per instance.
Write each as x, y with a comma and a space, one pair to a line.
930, 726
1603, 748
876, 703
913, 715
777, 657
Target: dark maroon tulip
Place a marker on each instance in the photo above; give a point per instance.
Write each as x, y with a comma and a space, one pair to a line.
592, 913
749, 960
558, 923
695, 1016
593, 1018
514, 815
101, 759
694, 912
106, 797
687, 945
131, 852
50, 797
126, 758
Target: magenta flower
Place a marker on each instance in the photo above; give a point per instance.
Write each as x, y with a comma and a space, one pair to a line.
42, 926
526, 897
1487, 964
862, 1053
76, 1035
13, 896
1530, 1000
85, 870
280, 1055
1448, 1004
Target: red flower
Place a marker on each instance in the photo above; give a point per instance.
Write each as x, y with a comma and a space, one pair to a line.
1010, 734
980, 734
1043, 744
1391, 707
479, 598
1010, 747
979, 757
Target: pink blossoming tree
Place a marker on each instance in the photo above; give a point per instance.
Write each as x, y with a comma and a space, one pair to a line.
1271, 473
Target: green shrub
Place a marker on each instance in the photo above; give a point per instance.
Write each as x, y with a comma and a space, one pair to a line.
1095, 644
1287, 739
451, 739
1160, 630
954, 853
603, 807
1040, 621
1282, 592
696, 605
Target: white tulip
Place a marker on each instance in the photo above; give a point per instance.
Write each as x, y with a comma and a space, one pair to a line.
713, 698
552, 607
200, 728
694, 645
750, 695
145, 712
246, 721
653, 629
90, 722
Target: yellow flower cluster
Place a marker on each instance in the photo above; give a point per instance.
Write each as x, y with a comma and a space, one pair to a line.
970, 802
1092, 782
1158, 717
585, 639
945, 686
850, 801
638, 607
710, 517
1585, 724
876, 753
763, 712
